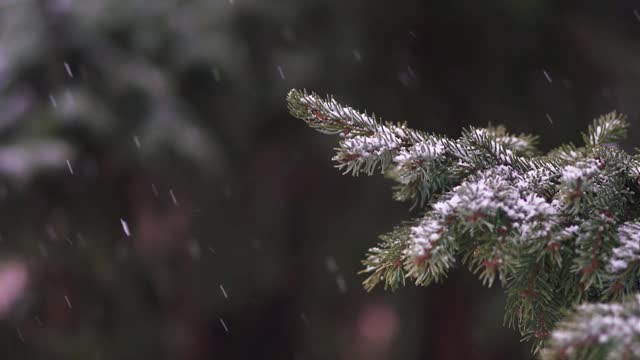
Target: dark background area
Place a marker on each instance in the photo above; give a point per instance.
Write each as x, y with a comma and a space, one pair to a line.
167, 119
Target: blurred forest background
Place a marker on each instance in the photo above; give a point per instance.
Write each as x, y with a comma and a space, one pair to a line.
158, 202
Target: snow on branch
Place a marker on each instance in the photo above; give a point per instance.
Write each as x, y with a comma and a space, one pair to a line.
628, 249
598, 331
367, 143
609, 128
556, 229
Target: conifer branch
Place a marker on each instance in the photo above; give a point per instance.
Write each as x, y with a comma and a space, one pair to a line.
609, 128
598, 331
555, 230
385, 263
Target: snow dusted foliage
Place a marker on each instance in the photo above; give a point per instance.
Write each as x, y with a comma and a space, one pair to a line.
554, 229
609, 128
487, 200
598, 331
627, 253
577, 176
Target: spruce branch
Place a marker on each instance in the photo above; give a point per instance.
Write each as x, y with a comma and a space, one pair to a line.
598, 331
367, 144
555, 230
608, 128
384, 263
522, 144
